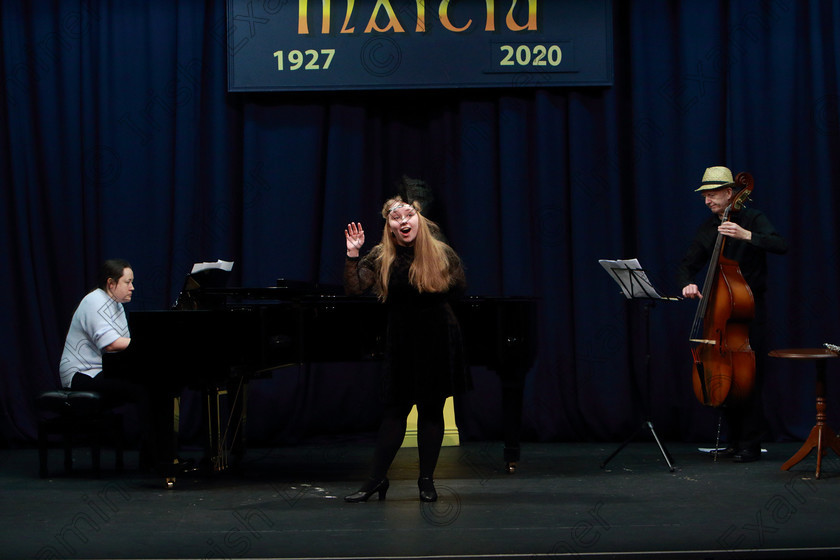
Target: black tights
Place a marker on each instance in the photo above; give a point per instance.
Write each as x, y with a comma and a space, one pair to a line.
430, 428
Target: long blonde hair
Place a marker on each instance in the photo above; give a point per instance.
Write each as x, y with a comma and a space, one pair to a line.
430, 270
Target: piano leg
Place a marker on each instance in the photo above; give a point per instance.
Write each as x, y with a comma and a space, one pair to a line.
171, 443
160, 452
514, 350
512, 394
239, 415
169, 464
214, 453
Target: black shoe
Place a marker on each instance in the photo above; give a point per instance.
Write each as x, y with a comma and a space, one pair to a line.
747, 455
427, 489
726, 453
368, 490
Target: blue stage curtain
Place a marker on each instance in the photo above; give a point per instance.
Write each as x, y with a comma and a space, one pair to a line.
118, 139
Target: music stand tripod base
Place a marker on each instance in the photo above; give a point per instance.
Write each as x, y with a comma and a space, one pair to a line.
646, 424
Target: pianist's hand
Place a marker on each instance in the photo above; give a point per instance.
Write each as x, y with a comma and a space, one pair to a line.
355, 236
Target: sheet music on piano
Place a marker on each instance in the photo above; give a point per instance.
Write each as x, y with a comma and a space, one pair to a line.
202, 275
218, 265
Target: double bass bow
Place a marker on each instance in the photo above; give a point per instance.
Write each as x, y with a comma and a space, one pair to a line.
723, 367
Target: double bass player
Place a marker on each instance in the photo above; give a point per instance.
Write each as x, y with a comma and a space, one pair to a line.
749, 236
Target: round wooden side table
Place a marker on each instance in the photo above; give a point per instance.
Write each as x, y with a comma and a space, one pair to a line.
822, 436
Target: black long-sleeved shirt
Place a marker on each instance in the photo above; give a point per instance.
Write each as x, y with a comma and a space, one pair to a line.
751, 256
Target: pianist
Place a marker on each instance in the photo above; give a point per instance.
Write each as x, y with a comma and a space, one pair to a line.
99, 325
416, 275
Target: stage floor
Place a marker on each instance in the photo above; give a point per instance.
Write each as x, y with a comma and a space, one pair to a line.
287, 503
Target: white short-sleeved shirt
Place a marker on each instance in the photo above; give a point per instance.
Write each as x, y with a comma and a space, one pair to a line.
97, 322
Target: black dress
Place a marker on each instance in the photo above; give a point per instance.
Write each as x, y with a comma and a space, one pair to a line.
424, 357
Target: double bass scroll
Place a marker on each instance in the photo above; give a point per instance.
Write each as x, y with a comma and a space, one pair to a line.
723, 367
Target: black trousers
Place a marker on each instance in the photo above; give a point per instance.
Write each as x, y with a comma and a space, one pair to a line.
745, 419
154, 413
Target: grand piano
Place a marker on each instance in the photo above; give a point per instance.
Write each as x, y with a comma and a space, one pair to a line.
216, 339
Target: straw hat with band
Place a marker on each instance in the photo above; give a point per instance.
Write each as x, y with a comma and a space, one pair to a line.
716, 178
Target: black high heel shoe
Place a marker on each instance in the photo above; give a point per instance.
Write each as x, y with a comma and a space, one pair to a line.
427, 489
368, 490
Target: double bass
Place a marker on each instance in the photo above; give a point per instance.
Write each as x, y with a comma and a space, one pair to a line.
723, 367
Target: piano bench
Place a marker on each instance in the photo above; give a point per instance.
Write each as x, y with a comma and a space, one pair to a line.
77, 416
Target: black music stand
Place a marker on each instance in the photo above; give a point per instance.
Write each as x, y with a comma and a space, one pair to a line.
203, 275
635, 285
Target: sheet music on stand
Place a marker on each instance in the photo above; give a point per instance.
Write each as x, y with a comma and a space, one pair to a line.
631, 277
202, 275
217, 265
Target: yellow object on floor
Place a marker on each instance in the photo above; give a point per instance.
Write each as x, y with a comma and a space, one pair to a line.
450, 433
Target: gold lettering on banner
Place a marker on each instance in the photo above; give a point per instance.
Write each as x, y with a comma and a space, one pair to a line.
421, 16
344, 28
393, 22
532, 17
303, 17
444, 18
490, 25
325, 18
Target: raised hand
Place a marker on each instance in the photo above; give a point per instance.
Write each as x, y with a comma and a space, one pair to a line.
355, 237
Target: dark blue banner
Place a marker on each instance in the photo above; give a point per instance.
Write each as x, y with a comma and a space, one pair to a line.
276, 45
